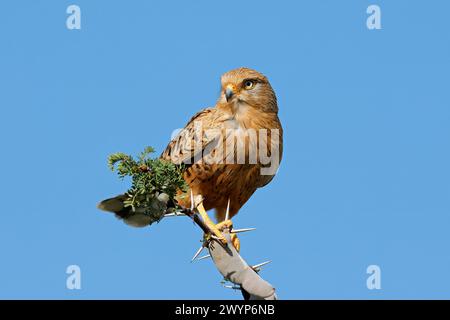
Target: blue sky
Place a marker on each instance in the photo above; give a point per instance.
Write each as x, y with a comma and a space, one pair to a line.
365, 177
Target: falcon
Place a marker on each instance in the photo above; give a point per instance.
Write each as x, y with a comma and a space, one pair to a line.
228, 151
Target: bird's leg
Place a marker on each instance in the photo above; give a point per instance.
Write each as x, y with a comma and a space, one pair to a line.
207, 220
228, 224
236, 242
219, 227
225, 224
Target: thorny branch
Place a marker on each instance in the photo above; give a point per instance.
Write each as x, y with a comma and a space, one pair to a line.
230, 263
154, 183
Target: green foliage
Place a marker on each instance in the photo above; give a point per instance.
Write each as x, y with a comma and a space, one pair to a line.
155, 182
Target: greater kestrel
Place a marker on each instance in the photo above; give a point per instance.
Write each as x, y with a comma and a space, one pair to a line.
229, 150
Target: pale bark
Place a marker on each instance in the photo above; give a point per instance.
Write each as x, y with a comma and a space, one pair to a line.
233, 267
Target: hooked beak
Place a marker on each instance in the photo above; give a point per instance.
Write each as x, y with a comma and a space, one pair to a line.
229, 93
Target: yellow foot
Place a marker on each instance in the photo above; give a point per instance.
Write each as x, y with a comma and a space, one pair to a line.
224, 224
207, 220
235, 241
218, 228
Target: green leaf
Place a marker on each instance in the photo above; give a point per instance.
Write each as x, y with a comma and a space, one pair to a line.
148, 177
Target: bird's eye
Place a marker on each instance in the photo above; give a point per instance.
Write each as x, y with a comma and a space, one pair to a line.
249, 84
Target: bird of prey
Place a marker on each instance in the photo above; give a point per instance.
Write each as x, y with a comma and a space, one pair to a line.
228, 151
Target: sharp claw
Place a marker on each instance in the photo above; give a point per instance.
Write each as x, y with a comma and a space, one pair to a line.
222, 241
214, 237
242, 230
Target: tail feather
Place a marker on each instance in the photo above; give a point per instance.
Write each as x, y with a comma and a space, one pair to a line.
112, 204
117, 206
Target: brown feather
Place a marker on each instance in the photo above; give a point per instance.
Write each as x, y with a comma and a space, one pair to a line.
217, 182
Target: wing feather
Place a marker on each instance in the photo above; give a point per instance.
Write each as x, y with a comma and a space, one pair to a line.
192, 142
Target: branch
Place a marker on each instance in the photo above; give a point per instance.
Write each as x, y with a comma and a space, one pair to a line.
231, 265
155, 183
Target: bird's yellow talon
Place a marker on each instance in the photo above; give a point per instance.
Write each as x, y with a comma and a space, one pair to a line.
224, 224
207, 220
217, 228
236, 242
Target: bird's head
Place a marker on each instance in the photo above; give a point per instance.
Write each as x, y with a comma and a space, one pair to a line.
244, 87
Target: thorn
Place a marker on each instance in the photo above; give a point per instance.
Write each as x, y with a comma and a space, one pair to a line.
197, 253
227, 214
231, 287
174, 214
204, 257
242, 230
257, 267
192, 201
